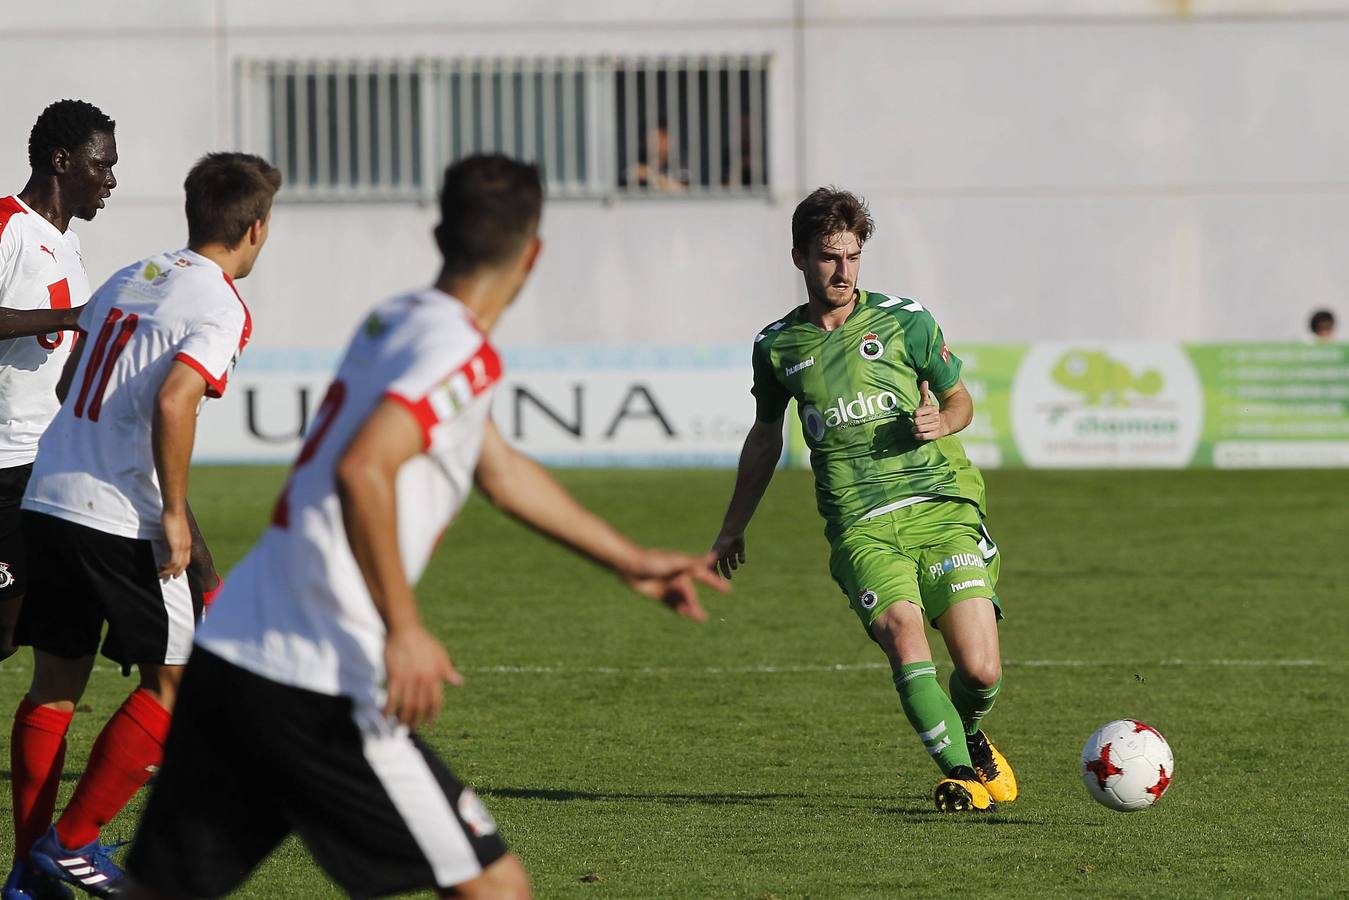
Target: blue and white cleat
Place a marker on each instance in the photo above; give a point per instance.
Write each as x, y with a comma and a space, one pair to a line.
89, 868
27, 883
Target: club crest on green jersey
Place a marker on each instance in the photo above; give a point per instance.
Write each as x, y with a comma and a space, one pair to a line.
871, 346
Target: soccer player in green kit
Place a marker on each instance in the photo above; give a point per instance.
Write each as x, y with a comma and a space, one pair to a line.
880, 400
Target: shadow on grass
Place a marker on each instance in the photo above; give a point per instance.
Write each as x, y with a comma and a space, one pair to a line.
710, 799
909, 814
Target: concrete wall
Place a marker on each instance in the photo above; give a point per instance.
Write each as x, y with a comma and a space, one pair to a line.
1038, 169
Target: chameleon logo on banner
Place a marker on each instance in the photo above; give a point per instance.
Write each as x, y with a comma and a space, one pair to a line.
1114, 404
1102, 380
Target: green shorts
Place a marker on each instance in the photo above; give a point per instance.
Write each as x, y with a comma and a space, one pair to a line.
934, 554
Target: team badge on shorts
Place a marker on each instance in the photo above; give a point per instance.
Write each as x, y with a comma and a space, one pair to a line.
6, 576
475, 815
867, 598
871, 346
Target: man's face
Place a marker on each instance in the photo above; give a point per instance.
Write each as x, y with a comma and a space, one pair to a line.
830, 268
85, 174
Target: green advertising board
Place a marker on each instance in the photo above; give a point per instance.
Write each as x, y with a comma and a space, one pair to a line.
1116, 404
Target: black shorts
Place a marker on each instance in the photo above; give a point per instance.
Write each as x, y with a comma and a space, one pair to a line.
80, 577
250, 760
13, 568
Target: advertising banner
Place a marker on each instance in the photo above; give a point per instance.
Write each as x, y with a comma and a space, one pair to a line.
1078, 404
686, 406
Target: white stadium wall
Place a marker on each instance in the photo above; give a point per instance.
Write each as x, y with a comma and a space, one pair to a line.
1125, 170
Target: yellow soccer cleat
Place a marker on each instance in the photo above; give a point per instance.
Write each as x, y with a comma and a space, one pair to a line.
994, 771
961, 791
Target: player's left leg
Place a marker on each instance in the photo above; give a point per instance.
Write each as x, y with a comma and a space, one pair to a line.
128, 750
970, 630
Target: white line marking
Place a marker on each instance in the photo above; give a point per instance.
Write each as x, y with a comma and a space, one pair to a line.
792, 669
862, 667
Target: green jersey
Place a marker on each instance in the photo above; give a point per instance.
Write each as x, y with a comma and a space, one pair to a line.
856, 388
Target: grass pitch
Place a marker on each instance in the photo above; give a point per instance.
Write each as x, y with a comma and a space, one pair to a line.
627, 753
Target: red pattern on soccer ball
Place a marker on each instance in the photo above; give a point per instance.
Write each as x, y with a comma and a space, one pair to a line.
1139, 727
1103, 768
1163, 781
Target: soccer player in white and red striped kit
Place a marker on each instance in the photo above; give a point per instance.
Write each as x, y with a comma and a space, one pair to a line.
297, 705
105, 514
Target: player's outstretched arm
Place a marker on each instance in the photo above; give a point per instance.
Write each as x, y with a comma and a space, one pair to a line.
758, 461
172, 432
947, 413
17, 323
416, 665
523, 489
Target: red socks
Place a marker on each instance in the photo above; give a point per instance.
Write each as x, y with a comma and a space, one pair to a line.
127, 751
37, 751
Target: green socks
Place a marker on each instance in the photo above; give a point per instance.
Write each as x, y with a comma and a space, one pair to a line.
932, 714
972, 703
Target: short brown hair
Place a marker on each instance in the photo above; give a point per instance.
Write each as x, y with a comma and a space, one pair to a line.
489, 206
829, 210
226, 193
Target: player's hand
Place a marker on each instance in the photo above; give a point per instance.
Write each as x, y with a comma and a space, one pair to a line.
673, 579
729, 553
927, 421
178, 535
416, 668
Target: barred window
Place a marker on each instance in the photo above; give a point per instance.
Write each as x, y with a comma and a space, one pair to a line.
600, 127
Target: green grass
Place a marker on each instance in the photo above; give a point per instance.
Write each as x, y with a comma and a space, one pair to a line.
632, 754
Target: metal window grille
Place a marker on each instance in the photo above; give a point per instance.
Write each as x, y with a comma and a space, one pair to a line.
599, 127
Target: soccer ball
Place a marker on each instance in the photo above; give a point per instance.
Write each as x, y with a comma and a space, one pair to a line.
1127, 765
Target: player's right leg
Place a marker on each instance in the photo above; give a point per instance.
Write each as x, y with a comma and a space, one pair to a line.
899, 631
63, 624
37, 757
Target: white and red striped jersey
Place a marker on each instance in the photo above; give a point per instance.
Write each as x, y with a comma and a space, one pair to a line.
296, 609
95, 465
40, 268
